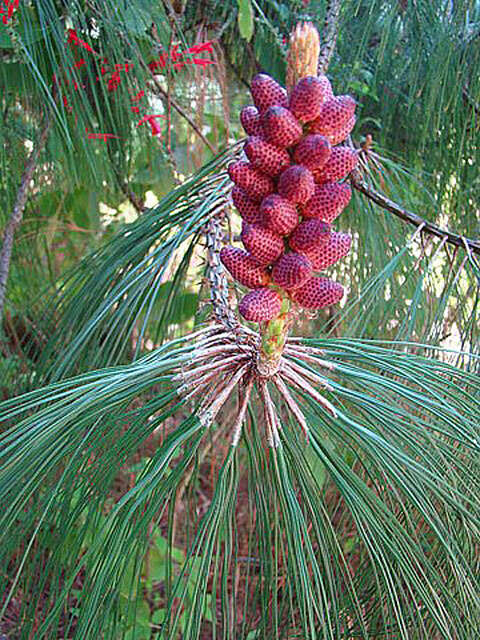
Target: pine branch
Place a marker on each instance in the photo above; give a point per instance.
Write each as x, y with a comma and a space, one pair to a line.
330, 35
412, 218
217, 278
17, 214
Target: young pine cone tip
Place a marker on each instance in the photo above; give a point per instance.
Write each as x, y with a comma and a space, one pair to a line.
303, 53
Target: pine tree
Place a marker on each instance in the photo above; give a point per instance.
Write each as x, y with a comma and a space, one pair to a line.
343, 461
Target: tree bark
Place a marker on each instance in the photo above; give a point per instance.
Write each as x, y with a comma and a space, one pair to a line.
329, 35
15, 219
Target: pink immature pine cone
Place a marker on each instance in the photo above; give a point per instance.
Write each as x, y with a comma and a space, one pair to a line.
266, 92
255, 183
266, 157
317, 293
334, 115
260, 305
247, 208
279, 215
243, 268
250, 119
327, 88
313, 151
342, 162
291, 271
307, 99
310, 235
264, 245
280, 127
335, 249
296, 184
328, 201
341, 134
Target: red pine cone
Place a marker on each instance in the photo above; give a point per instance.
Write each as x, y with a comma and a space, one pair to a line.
247, 208
260, 305
307, 98
310, 235
296, 184
255, 183
334, 115
278, 214
266, 92
280, 127
291, 271
264, 245
250, 119
342, 162
313, 151
317, 293
341, 134
244, 268
266, 157
328, 201
335, 249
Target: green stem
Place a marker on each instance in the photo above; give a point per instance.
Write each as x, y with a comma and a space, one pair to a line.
274, 335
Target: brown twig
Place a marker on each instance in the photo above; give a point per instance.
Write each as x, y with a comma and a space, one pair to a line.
17, 214
138, 203
169, 96
410, 217
329, 36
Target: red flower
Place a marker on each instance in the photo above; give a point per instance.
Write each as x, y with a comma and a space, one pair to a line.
151, 119
138, 96
127, 66
10, 6
202, 62
179, 59
100, 136
161, 62
75, 40
66, 105
174, 53
200, 48
114, 81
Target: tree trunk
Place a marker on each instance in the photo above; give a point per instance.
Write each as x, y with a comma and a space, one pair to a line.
17, 213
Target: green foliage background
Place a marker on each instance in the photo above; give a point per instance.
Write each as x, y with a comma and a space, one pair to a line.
368, 531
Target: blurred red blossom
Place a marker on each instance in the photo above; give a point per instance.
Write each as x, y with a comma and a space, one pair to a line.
178, 59
99, 136
7, 7
151, 119
75, 40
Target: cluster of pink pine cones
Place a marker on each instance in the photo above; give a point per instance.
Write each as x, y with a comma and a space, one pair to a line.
289, 193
